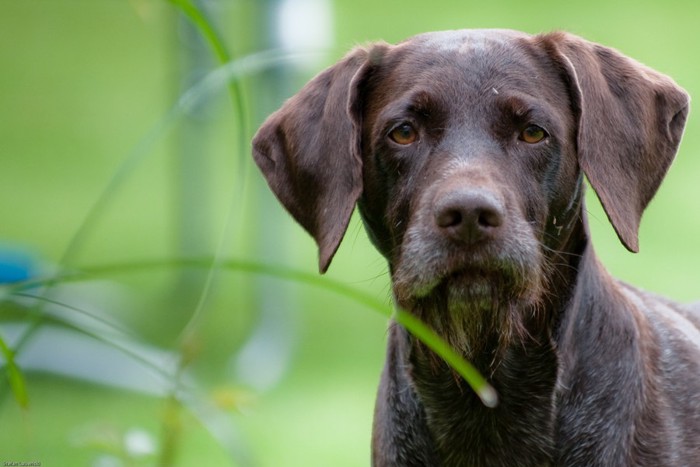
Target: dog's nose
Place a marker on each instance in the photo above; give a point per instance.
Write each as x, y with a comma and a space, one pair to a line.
469, 216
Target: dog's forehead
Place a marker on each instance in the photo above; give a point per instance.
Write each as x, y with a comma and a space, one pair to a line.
470, 57
462, 66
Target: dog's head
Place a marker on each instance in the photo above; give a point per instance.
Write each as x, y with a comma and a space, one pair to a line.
464, 151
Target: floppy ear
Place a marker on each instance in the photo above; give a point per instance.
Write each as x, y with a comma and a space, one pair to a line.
630, 123
309, 152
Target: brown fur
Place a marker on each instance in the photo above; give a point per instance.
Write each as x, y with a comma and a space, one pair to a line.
486, 239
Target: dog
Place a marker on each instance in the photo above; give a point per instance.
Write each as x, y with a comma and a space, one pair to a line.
465, 152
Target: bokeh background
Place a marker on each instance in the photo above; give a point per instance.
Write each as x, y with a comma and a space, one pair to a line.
158, 307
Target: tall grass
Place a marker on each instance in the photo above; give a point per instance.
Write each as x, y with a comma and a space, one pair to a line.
183, 391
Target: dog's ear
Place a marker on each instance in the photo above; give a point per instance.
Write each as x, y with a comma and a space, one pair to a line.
630, 123
309, 152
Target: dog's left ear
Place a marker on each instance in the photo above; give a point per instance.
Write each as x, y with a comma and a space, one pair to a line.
630, 123
309, 152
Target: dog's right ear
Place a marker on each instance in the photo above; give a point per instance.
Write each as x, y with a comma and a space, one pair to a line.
309, 151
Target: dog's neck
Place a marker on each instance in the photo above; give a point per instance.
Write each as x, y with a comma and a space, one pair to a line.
523, 370
466, 432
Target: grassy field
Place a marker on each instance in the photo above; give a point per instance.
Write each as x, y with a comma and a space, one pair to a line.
271, 372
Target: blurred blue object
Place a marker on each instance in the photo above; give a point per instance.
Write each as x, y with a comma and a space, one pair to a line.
16, 264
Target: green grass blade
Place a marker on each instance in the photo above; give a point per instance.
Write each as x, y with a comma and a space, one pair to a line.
411, 323
108, 324
14, 376
253, 267
126, 344
438, 345
205, 27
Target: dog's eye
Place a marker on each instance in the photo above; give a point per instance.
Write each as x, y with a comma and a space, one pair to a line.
533, 134
404, 134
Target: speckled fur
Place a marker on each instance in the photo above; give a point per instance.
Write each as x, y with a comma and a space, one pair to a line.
589, 371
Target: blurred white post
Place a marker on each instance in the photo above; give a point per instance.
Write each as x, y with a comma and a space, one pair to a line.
193, 170
295, 25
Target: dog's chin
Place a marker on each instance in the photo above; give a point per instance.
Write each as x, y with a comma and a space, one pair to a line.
476, 289
477, 311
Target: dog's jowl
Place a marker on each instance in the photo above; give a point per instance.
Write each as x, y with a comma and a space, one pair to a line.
465, 152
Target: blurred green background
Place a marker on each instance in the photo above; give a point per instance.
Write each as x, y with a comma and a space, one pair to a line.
121, 153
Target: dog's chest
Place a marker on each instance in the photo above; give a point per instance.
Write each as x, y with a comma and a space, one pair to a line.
518, 432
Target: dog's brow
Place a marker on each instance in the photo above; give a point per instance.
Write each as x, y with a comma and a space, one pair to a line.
422, 102
523, 107
418, 103
516, 106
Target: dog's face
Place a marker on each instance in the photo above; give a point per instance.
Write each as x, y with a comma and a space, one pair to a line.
465, 151
467, 155
469, 173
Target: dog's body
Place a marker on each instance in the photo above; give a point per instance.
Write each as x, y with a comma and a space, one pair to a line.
465, 152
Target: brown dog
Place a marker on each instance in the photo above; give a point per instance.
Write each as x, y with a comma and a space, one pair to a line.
465, 152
